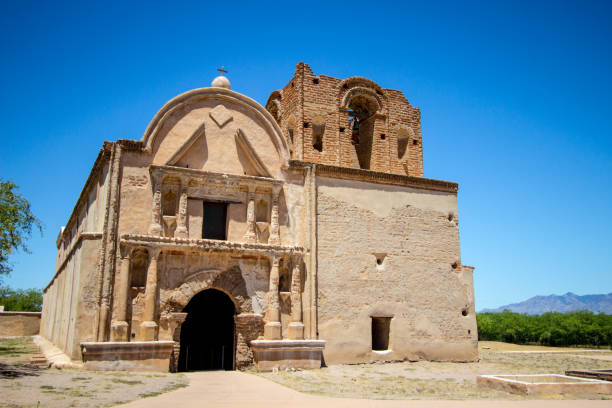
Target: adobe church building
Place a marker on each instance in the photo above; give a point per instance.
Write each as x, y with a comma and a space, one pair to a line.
294, 235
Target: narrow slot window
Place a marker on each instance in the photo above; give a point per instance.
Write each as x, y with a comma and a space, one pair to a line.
380, 333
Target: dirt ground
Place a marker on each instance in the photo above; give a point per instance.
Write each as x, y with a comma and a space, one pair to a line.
25, 385
447, 381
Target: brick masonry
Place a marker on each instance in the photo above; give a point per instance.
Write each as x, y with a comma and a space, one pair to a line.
391, 135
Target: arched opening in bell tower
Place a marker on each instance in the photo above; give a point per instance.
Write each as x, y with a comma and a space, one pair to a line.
362, 109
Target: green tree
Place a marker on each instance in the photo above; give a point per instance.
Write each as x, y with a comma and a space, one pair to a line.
21, 300
552, 329
16, 224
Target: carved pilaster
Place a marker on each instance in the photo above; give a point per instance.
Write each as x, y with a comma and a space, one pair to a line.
296, 326
156, 228
251, 235
181, 221
148, 328
274, 226
120, 325
174, 321
272, 329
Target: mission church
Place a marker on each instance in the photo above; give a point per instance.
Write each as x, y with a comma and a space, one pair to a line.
293, 235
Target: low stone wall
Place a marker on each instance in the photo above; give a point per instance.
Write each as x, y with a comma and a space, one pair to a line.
281, 354
19, 323
544, 384
127, 356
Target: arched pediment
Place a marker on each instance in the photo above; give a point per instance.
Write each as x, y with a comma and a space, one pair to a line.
228, 281
198, 130
351, 87
357, 81
365, 92
273, 105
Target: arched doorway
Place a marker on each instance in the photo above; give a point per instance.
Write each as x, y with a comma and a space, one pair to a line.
207, 335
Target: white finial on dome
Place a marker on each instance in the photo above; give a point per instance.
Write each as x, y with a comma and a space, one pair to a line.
221, 81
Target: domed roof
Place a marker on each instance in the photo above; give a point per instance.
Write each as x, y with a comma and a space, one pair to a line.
221, 82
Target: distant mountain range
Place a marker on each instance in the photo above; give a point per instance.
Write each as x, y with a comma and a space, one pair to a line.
569, 302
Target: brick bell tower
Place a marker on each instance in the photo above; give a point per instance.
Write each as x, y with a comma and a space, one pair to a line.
350, 122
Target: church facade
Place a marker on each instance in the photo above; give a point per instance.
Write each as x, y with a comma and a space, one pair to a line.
292, 235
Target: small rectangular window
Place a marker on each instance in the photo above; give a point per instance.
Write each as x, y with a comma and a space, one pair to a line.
214, 225
380, 333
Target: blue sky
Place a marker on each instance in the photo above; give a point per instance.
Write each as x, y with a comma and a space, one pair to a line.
515, 102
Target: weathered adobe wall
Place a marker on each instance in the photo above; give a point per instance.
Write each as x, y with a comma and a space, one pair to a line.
416, 283
70, 300
19, 323
215, 150
308, 99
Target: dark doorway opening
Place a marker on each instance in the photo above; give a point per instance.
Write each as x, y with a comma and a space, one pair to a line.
215, 220
207, 335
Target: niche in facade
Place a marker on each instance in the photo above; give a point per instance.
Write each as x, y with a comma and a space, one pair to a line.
381, 328
318, 130
284, 282
404, 136
290, 133
261, 213
140, 261
169, 208
262, 221
169, 203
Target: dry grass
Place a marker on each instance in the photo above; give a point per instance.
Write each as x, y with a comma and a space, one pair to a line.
16, 348
496, 346
431, 380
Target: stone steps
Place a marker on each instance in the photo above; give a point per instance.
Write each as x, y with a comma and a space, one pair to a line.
39, 360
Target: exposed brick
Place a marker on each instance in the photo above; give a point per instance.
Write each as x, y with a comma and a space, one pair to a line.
307, 96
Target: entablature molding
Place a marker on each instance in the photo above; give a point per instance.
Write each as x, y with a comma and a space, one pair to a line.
370, 176
210, 245
200, 183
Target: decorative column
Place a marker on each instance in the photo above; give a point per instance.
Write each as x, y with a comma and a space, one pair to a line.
175, 320
148, 327
156, 228
250, 235
181, 219
296, 327
274, 227
272, 329
120, 325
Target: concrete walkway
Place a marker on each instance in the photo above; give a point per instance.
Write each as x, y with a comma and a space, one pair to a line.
236, 389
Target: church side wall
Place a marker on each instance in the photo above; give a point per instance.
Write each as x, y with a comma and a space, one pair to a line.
391, 252
86, 304
62, 315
